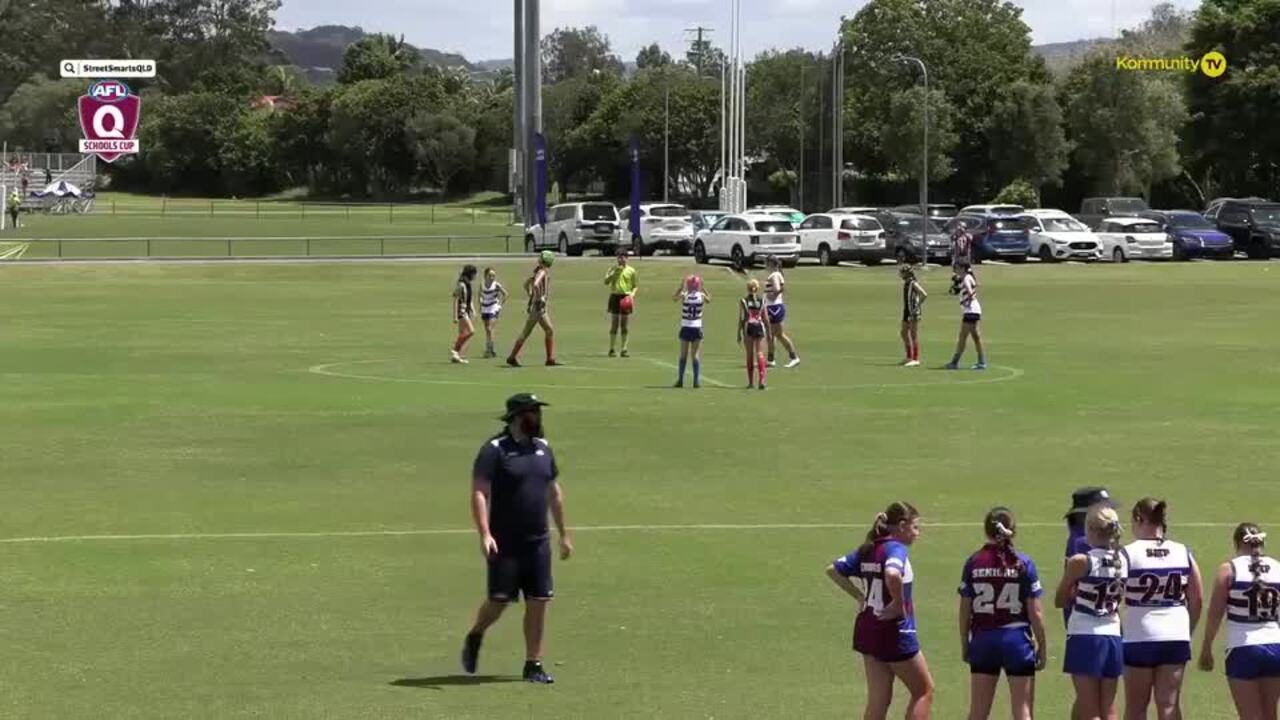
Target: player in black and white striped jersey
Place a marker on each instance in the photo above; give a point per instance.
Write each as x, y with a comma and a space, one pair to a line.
492, 296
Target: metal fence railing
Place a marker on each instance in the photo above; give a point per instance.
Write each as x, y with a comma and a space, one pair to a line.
383, 212
260, 247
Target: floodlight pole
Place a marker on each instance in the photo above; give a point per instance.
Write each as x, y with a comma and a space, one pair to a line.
518, 130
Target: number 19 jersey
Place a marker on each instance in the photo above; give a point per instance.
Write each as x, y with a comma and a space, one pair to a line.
1096, 607
1000, 592
1155, 594
1253, 609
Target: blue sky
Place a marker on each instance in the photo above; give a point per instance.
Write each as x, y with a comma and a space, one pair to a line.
482, 29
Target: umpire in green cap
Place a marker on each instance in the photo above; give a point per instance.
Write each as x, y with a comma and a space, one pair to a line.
513, 489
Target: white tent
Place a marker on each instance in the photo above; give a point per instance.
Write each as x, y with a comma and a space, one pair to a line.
62, 188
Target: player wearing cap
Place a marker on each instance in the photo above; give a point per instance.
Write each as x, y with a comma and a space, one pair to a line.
622, 283
538, 287
513, 489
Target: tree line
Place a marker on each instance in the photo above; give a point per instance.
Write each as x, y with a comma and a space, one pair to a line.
227, 115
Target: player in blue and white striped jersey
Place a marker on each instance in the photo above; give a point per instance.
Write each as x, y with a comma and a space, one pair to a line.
1093, 585
693, 302
1163, 599
492, 296
1246, 591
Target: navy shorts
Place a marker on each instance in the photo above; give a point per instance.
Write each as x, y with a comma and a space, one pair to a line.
521, 570
1157, 654
490, 315
908, 316
974, 318
1253, 662
755, 331
615, 305
777, 314
688, 334
1004, 649
1098, 656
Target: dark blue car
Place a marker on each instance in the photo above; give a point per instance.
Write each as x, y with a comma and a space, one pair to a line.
995, 237
1193, 234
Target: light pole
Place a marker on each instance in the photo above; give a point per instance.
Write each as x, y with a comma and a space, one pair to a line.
924, 158
666, 138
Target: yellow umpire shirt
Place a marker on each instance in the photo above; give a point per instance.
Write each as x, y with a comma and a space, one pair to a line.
624, 281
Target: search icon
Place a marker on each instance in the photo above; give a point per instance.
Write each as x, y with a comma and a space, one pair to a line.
68, 69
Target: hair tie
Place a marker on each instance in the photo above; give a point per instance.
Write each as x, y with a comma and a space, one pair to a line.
1002, 530
1252, 537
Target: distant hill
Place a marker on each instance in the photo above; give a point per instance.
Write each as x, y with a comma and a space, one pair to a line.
319, 51
1061, 57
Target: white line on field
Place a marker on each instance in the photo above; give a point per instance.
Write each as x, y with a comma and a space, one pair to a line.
673, 366
427, 532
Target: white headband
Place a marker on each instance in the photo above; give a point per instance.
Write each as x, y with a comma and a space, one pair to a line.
1253, 538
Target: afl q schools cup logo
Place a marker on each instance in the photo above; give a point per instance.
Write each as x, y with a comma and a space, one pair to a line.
109, 115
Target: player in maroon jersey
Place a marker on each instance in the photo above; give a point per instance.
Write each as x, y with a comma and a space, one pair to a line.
999, 614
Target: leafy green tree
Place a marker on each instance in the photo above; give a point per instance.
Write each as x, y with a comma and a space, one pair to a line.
705, 58
377, 57
782, 104
1018, 192
652, 56
41, 114
182, 138
1232, 133
1026, 136
443, 145
1123, 125
300, 139
577, 52
36, 34
246, 157
367, 132
567, 106
903, 140
974, 49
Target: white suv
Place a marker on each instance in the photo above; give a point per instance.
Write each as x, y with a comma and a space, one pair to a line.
662, 227
746, 239
1057, 236
832, 238
574, 227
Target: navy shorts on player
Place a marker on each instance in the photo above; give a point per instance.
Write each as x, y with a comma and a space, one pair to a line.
521, 569
1099, 656
974, 318
1157, 654
489, 315
688, 334
777, 313
615, 305
1007, 650
1253, 662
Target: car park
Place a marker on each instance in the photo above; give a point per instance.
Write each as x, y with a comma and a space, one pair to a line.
905, 231
662, 227
704, 219
748, 239
833, 238
937, 211
1134, 238
1193, 234
993, 210
575, 227
1094, 210
995, 237
1254, 226
795, 216
1055, 236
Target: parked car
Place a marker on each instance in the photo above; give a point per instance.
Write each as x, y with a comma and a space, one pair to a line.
1254, 226
704, 219
1094, 210
575, 227
795, 216
747, 239
937, 211
1193, 234
993, 210
995, 237
836, 238
855, 210
1215, 205
904, 231
1134, 238
1056, 236
662, 227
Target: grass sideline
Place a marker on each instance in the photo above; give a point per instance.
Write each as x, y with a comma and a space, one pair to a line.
184, 400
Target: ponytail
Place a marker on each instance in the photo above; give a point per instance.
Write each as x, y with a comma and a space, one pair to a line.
1249, 535
885, 522
1000, 528
1102, 520
1153, 512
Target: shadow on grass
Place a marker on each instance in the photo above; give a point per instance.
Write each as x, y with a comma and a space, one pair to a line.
443, 681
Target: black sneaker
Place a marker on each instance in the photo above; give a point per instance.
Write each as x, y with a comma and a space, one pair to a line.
471, 653
679, 384
626, 353
513, 362
612, 354
762, 386
554, 363
535, 673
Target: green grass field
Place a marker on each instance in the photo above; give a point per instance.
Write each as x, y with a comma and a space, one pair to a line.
314, 403
137, 226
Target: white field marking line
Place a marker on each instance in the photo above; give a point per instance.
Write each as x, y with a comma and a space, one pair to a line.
672, 366
431, 532
326, 369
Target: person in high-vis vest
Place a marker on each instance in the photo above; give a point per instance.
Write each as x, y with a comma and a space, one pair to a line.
13, 205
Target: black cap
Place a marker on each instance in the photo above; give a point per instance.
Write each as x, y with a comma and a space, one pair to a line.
1087, 497
521, 402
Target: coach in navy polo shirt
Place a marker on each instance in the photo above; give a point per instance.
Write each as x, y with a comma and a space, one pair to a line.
513, 489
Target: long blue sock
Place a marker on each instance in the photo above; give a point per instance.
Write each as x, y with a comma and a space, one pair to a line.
697, 371
955, 359
682, 363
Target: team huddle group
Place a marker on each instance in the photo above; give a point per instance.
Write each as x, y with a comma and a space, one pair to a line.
1130, 610
762, 316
